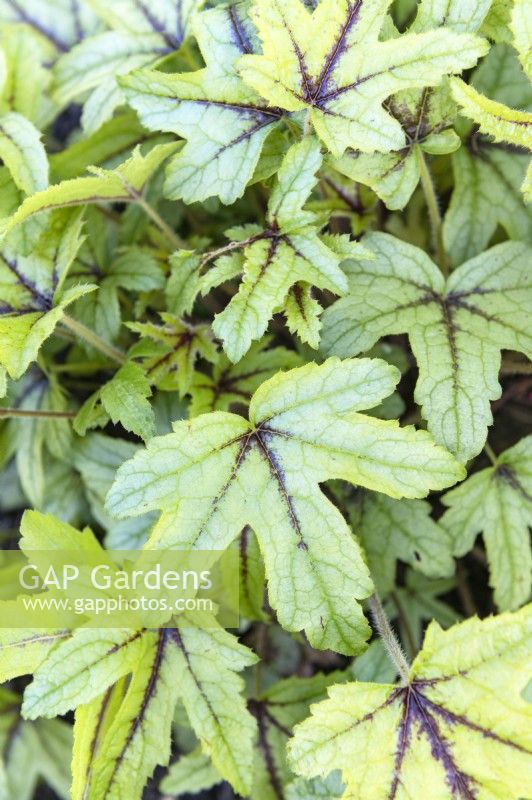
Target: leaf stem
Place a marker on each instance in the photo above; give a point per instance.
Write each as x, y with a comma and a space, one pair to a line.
389, 639
172, 238
228, 248
82, 332
490, 454
26, 412
434, 214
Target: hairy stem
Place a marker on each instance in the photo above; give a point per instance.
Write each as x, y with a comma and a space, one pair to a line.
434, 214
228, 248
389, 639
26, 412
82, 332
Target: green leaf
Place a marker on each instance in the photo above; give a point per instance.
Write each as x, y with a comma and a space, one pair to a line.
31, 297
218, 472
232, 384
23, 153
498, 502
191, 774
224, 122
169, 359
400, 529
456, 328
495, 119
459, 15
484, 169
274, 261
121, 185
522, 33
332, 64
123, 399
59, 23
458, 727
32, 751
24, 53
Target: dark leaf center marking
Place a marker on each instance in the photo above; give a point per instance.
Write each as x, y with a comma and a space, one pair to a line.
173, 41
52, 37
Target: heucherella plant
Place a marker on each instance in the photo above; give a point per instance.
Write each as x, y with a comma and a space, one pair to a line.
265, 300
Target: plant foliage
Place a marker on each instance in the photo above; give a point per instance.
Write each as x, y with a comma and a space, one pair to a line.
265, 290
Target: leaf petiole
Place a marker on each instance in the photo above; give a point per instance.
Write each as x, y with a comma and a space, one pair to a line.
389, 639
434, 213
82, 332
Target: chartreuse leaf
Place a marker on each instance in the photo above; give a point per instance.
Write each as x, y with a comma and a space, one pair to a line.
276, 711
425, 116
497, 24
121, 185
498, 502
331, 63
170, 357
224, 121
197, 664
484, 169
495, 119
498, 120
31, 751
521, 26
234, 384
32, 299
459, 727
400, 529
286, 256
24, 53
456, 328
141, 35
219, 472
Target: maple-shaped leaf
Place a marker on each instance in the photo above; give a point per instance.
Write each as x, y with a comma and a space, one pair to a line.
497, 501
456, 328
32, 298
425, 116
218, 473
276, 710
224, 121
280, 261
31, 751
234, 384
498, 120
332, 63
400, 529
169, 358
121, 185
484, 169
458, 726
141, 34
194, 662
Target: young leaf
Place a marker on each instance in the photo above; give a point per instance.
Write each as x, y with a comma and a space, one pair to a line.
123, 399
331, 63
522, 33
234, 384
289, 251
121, 185
458, 728
218, 472
224, 121
169, 360
484, 169
31, 297
498, 502
456, 328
